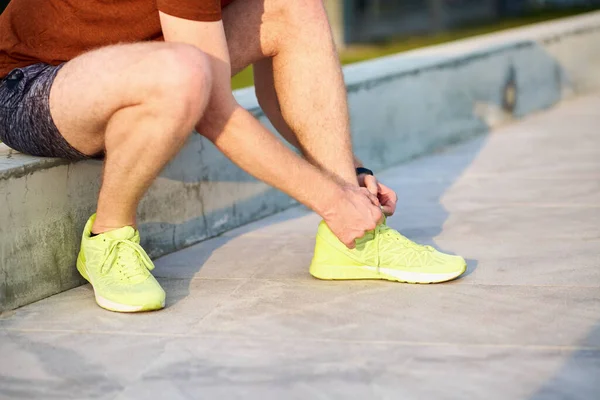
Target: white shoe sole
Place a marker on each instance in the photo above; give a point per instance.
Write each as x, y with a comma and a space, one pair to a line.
390, 274
124, 308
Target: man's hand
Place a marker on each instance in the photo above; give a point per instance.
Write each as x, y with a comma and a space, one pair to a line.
355, 212
386, 196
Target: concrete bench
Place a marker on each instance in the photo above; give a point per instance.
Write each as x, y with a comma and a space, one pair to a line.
401, 106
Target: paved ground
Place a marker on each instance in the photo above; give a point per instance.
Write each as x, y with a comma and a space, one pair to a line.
245, 320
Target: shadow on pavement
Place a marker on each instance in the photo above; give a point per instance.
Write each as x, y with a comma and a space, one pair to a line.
421, 216
579, 377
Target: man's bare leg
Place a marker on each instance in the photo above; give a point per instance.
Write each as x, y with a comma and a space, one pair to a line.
299, 82
136, 102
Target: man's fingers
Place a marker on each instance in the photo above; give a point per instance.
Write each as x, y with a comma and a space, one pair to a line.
388, 199
388, 206
371, 184
373, 197
380, 215
388, 210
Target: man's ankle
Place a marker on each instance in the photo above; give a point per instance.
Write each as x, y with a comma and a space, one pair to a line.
99, 228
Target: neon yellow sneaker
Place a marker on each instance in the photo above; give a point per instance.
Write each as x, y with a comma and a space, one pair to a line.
382, 254
118, 269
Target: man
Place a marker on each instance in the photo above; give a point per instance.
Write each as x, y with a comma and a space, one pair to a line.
129, 80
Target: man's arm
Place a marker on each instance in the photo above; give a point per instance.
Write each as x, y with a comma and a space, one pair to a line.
349, 212
237, 133
270, 104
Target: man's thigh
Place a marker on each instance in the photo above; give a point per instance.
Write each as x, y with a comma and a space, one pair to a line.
89, 89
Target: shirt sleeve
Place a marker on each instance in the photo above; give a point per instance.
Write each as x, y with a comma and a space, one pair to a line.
195, 10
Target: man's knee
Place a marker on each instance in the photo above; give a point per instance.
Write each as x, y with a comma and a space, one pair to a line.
181, 75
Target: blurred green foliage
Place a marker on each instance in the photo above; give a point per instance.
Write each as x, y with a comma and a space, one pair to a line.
397, 45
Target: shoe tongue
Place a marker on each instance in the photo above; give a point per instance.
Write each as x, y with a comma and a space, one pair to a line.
124, 233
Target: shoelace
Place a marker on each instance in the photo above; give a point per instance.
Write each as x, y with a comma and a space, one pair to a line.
131, 254
394, 234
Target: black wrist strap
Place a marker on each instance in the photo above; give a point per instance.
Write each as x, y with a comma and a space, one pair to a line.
362, 170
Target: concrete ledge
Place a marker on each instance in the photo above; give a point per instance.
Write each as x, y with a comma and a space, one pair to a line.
401, 106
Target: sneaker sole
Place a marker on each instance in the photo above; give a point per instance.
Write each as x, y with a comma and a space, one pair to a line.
389, 274
124, 308
111, 305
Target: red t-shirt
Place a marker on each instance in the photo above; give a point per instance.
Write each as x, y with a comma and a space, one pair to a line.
55, 31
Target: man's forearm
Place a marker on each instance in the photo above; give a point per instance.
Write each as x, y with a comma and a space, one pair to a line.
357, 162
270, 104
290, 137
254, 149
238, 134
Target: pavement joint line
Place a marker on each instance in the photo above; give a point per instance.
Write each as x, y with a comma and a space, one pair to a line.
208, 314
549, 205
271, 236
501, 177
407, 343
455, 283
530, 285
510, 204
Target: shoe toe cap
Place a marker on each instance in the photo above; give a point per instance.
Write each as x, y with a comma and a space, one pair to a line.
451, 263
460, 263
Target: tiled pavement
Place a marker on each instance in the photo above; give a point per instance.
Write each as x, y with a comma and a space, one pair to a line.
244, 318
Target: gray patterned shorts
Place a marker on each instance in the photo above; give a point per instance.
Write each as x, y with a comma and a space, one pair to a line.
25, 121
